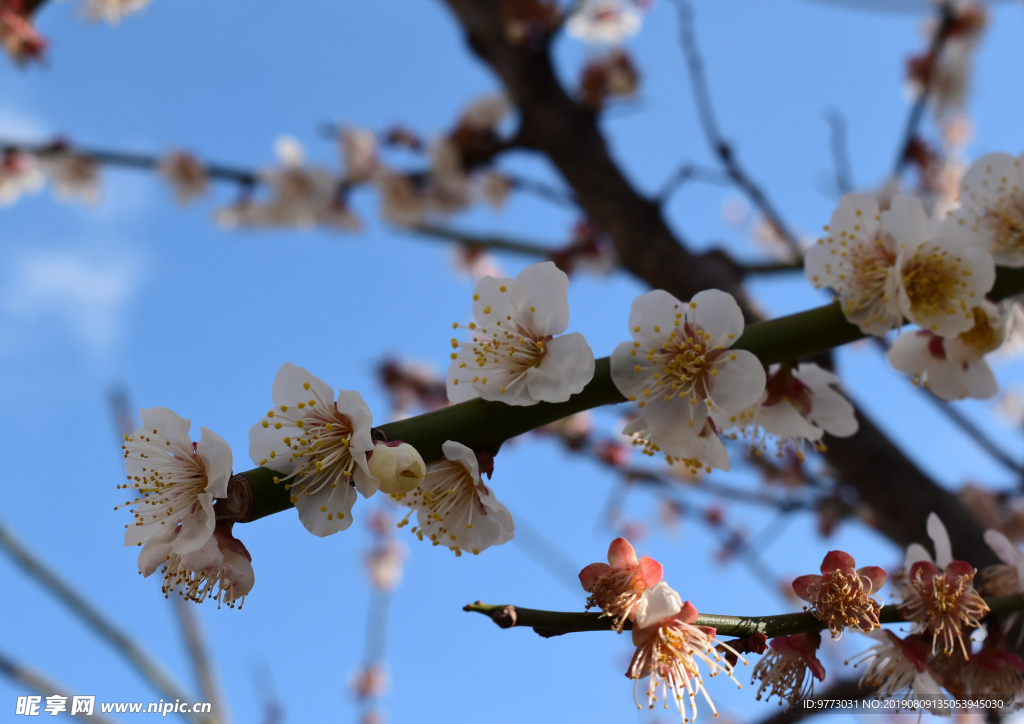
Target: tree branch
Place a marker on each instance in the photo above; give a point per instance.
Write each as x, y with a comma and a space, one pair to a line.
557, 623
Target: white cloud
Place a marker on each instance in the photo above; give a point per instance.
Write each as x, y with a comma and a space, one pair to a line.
85, 290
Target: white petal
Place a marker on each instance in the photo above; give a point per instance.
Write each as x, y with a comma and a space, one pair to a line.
196, 526
459, 453
170, 425
351, 405
910, 353
216, 455
988, 181
981, 383
565, 370
541, 296
906, 221
463, 390
627, 380
1002, 546
154, 554
289, 386
784, 421
655, 308
915, 554
490, 304
365, 481
334, 501
855, 210
656, 604
739, 382
207, 558
940, 538
948, 380
674, 422
718, 314
833, 412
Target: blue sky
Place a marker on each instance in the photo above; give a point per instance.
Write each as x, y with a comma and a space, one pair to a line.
138, 293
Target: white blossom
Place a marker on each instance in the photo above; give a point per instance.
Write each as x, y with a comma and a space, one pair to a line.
656, 604
403, 201
899, 669
953, 367
1006, 578
486, 113
221, 569
605, 21
186, 175
453, 506
991, 213
398, 467
517, 353
319, 446
175, 479
798, 404
679, 364
898, 263
703, 451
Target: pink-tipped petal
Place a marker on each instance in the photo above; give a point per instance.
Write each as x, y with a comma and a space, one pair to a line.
688, 614
802, 586
621, 554
588, 576
651, 572
838, 561
876, 575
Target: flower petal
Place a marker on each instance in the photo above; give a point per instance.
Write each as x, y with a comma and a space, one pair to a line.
327, 511
940, 538
1002, 546
196, 526
589, 575
541, 297
718, 314
739, 382
621, 554
564, 371
459, 453
170, 425
290, 386
651, 572
216, 455
656, 604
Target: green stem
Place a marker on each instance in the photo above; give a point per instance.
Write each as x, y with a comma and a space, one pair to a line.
557, 623
485, 426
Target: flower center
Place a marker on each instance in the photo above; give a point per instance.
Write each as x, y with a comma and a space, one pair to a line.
1007, 225
931, 281
982, 336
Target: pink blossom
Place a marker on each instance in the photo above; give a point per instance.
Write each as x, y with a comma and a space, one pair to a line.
617, 586
842, 595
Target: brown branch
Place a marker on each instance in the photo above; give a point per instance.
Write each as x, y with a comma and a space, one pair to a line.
898, 494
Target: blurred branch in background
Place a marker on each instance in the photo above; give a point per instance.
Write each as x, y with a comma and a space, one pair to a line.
719, 146
45, 687
141, 660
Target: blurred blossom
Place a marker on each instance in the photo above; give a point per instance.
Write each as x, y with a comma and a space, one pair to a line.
670, 515
589, 249
475, 263
736, 212
359, 154
18, 36
612, 453
380, 523
112, 11
1010, 406
384, 565
412, 386
371, 681
494, 189
19, 175
529, 20
186, 175
994, 510
403, 138
573, 430
768, 236
634, 530
605, 21
613, 75
74, 176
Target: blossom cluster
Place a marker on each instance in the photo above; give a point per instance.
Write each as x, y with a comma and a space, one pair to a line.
886, 266
691, 385
936, 595
670, 646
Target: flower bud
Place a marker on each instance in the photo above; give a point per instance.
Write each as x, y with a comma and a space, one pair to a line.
398, 467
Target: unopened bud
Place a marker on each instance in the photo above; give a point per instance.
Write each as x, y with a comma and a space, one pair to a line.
398, 467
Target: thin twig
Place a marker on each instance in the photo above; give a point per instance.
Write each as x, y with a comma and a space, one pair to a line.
45, 686
144, 662
487, 241
691, 172
840, 151
557, 623
947, 18
770, 267
543, 190
720, 147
